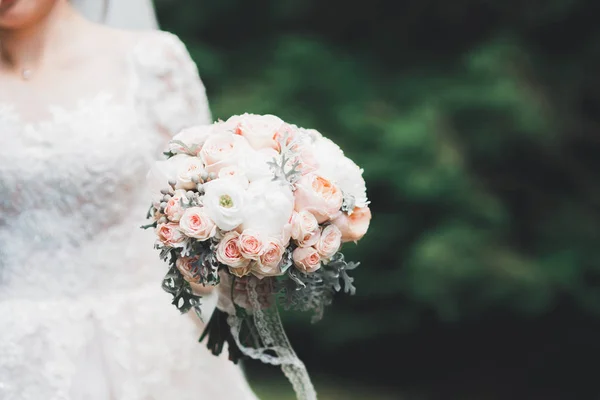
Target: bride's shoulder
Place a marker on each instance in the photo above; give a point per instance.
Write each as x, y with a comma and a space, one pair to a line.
140, 44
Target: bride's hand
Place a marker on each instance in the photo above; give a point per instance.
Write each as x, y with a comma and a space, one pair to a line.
201, 290
264, 291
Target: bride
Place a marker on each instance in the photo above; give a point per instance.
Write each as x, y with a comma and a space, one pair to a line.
84, 111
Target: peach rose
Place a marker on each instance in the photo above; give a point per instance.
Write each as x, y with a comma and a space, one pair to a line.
175, 209
319, 196
228, 251
268, 263
222, 150
330, 241
188, 268
306, 259
354, 226
196, 224
251, 244
170, 235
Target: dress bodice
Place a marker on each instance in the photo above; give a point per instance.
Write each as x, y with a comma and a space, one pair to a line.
72, 184
82, 314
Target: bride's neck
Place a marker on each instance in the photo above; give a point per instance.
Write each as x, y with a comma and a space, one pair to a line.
27, 47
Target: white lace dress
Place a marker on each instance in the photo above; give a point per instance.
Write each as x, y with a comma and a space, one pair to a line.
82, 313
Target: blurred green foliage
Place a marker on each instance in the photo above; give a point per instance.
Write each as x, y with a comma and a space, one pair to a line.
476, 122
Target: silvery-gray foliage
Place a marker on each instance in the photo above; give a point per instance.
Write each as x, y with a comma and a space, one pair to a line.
313, 292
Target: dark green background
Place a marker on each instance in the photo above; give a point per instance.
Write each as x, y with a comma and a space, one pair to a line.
477, 124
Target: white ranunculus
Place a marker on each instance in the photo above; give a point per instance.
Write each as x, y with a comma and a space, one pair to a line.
235, 173
269, 207
338, 168
190, 140
224, 203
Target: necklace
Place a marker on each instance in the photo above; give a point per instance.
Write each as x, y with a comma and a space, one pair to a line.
26, 73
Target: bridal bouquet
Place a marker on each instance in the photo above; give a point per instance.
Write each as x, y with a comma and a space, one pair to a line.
261, 208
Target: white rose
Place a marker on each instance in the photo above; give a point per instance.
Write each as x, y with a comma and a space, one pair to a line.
222, 150
235, 173
190, 140
258, 130
190, 167
224, 203
269, 207
349, 178
338, 168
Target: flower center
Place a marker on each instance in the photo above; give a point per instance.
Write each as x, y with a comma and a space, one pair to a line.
226, 201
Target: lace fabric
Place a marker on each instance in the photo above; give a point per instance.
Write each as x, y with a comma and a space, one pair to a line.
82, 314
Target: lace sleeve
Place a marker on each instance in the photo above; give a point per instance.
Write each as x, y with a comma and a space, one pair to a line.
169, 87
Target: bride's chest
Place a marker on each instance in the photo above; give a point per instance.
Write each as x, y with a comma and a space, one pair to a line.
86, 154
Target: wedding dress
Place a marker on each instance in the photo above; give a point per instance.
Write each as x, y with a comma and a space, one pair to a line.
82, 313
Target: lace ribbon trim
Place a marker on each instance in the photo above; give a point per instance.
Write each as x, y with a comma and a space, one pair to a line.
276, 348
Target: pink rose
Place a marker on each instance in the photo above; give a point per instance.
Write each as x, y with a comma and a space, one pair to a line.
170, 235
188, 268
251, 244
319, 196
268, 263
196, 224
306, 259
228, 251
222, 150
354, 226
175, 209
330, 241
305, 228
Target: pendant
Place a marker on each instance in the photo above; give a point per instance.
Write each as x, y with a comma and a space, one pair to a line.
26, 74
